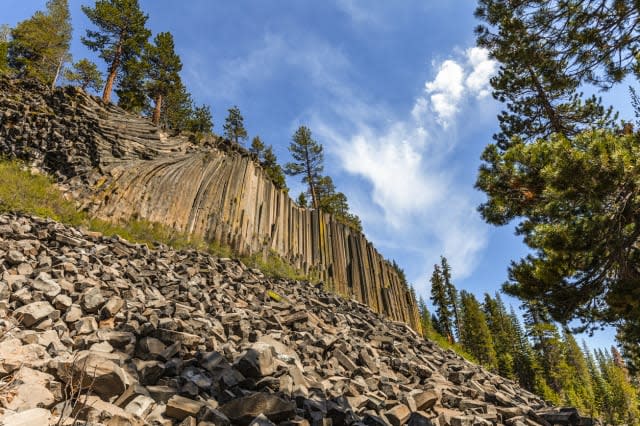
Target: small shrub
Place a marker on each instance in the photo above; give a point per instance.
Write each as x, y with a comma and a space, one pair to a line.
23, 192
272, 265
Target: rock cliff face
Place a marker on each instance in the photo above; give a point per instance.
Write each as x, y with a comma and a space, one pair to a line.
99, 331
119, 166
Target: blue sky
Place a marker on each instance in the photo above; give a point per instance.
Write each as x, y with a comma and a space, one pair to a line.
395, 91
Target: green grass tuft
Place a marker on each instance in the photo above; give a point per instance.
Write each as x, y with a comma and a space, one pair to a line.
272, 265
23, 192
36, 194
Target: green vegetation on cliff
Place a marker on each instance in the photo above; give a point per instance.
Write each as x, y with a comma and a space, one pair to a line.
36, 194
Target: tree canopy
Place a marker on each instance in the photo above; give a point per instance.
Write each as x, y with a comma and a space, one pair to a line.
5, 34
120, 37
86, 74
234, 126
164, 66
561, 165
39, 46
308, 161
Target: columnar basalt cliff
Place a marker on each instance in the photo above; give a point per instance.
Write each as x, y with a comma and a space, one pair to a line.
119, 166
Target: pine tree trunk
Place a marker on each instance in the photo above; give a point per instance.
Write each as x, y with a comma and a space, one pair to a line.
156, 111
546, 104
113, 72
312, 187
55, 77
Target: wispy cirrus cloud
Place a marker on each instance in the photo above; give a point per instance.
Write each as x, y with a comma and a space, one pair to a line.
407, 164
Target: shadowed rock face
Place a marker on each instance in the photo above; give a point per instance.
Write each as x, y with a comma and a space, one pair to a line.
119, 166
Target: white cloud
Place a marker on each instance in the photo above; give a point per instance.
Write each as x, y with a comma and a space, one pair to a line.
483, 68
456, 79
407, 162
446, 91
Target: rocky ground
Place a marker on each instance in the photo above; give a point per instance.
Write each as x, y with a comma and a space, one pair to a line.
96, 330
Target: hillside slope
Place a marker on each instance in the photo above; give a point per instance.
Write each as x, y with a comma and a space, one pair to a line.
102, 330
119, 167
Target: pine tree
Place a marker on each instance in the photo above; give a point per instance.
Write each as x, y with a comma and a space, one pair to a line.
595, 40
39, 46
540, 96
164, 66
503, 334
273, 169
86, 74
452, 293
579, 389
620, 397
120, 38
475, 336
177, 110
335, 203
308, 161
549, 349
257, 146
440, 301
425, 318
131, 87
574, 199
5, 34
524, 362
301, 201
234, 126
576, 220
598, 385
200, 121
400, 272
437, 327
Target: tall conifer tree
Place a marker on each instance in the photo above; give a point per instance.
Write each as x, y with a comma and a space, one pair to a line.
39, 46
234, 126
5, 34
452, 293
86, 74
164, 66
308, 161
425, 317
257, 146
273, 169
440, 300
579, 389
475, 335
120, 37
503, 334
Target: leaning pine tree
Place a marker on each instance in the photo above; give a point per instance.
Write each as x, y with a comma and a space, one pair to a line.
120, 37
560, 165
